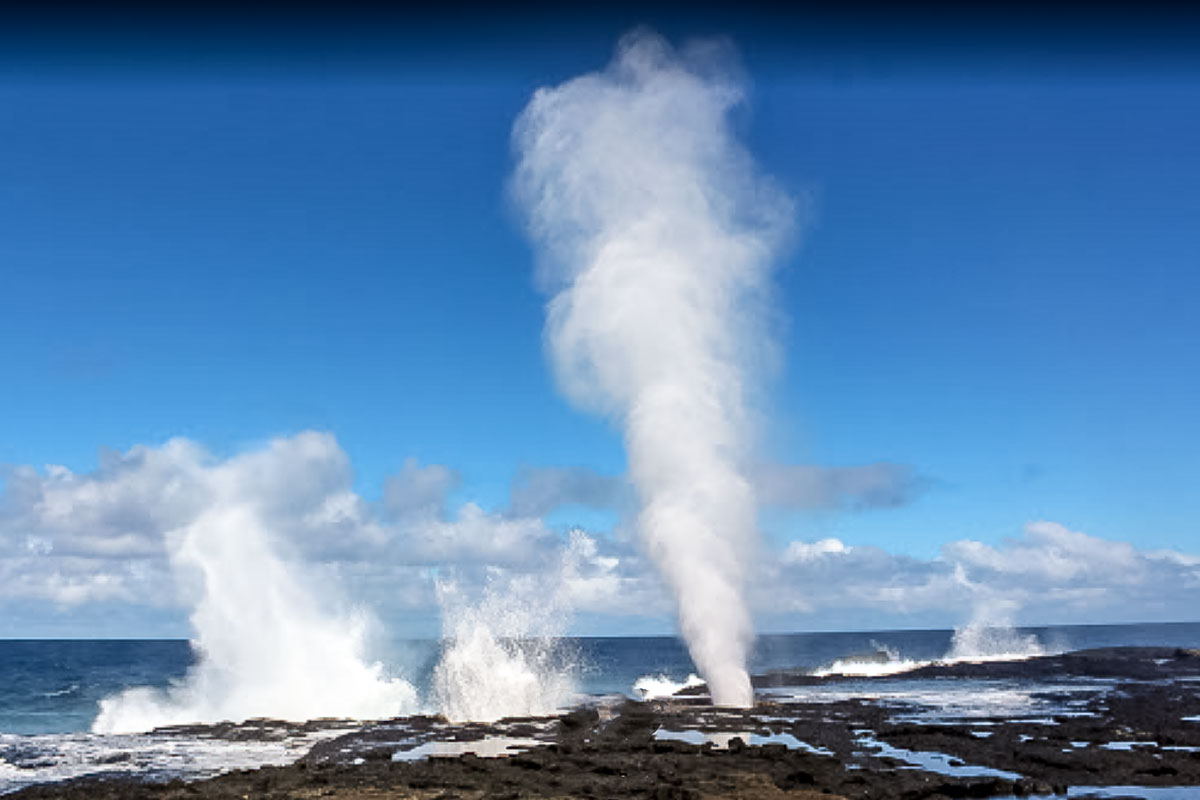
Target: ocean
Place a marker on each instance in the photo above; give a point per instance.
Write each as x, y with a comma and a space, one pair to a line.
50, 690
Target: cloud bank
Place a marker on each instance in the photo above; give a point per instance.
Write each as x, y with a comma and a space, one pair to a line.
92, 547
1048, 574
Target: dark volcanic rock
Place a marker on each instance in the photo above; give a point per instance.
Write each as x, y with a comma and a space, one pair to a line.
816, 749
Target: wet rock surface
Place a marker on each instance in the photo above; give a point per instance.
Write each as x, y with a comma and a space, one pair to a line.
1128, 717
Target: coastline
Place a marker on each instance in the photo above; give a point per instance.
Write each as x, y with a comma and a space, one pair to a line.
1141, 730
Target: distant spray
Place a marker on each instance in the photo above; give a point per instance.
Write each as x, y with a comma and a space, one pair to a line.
658, 238
989, 635
502, 655
267, 644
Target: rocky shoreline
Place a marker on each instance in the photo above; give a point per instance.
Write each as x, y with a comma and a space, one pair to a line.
1129, 717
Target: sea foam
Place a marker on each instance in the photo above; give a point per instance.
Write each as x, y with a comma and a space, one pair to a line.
973, 643
502, 655
660, 687
267, 643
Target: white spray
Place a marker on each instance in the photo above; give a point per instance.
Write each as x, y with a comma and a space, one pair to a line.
503, 656
659, 237
268, 644
990, 634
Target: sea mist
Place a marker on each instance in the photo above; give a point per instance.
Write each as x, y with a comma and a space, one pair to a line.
657, 239
269, 642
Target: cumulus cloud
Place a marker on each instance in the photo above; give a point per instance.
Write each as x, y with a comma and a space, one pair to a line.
1051, 552
118, 511
419, 491
302, 488
69, 582
804, 552
476, 536
602, 576
423, 531
77, 540
1047, 574
101, 536
69, 538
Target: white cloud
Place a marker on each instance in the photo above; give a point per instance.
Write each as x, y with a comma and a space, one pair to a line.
76, 590
117, 511
74, 538
418, 491
1052, 552
71, 540
603, 577
67, 582
1048, 574
477, 536
799, 552
1183, 559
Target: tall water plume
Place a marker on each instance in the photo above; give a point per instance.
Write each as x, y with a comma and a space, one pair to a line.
269, 642
658, 237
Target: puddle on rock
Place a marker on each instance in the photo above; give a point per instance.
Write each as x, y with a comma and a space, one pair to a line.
932, 761
1146, 792
487, 747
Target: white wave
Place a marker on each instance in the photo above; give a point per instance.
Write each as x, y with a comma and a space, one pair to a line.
868, 668
660, 687
972, 644
880, 662
28, 760
935, 701
853, 667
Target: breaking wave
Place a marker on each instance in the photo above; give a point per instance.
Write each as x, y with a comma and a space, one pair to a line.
972, 644
880, 662
992, 643
660, 687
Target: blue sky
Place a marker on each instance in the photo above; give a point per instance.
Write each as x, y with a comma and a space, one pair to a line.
994, 284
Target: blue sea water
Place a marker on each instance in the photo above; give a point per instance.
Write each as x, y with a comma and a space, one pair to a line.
55, 686
612, 665
50, 690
